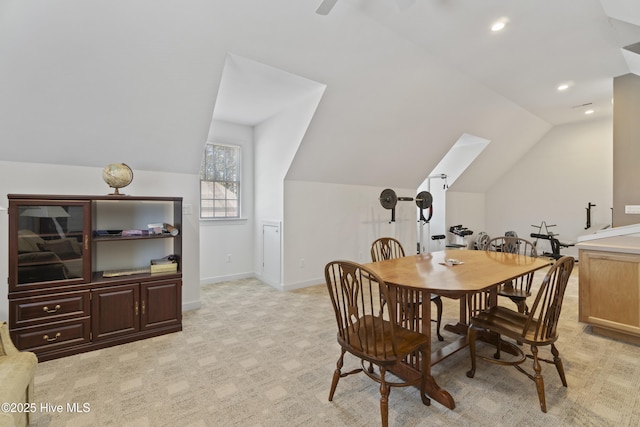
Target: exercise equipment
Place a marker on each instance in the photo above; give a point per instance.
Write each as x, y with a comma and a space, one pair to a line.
424, 200
460, 233
482, 241
389, 200
551, 237
588, 208
426, 195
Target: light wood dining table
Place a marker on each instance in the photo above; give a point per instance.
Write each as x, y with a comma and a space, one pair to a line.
475, 273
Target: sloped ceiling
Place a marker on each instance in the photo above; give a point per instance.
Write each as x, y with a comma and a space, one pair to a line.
90, 83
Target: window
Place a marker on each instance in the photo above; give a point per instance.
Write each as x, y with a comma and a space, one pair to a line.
220, 182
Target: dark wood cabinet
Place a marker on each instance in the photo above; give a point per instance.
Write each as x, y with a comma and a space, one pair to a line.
161, 304
115, 311
79, 271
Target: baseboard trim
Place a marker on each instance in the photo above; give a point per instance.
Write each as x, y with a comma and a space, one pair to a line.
279, 286
304, 284
189, 306
219, 279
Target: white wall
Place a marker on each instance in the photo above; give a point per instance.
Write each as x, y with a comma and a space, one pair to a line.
227, 246
571, 166
18, 178
276, 142
325, 222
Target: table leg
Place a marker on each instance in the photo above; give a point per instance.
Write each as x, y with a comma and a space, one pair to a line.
434, 391
414, 313
460, 328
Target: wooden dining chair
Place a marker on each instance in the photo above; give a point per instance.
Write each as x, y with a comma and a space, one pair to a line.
536, 329
389, 248
365, 312
517, 290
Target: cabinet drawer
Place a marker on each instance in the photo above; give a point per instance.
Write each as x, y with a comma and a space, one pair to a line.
48, 308
52, 335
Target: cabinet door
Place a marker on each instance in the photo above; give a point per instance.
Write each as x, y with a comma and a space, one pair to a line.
115, 311
610, 292
161, 304
49, 243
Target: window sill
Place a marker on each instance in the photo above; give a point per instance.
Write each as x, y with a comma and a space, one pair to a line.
204, 221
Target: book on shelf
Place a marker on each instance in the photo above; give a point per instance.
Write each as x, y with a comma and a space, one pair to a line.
163, 265
156, 228
130, 233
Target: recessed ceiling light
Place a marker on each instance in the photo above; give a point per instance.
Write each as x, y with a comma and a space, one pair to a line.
563, 86
589, 112
499, 24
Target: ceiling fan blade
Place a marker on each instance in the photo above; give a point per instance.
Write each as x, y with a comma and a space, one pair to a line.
405, 4
325, 7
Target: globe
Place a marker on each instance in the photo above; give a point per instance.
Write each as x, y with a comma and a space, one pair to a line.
117, 175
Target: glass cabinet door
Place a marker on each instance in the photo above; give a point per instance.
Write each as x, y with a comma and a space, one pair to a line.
49, 242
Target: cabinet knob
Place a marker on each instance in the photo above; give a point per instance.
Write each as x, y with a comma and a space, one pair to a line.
48, 310
46, 337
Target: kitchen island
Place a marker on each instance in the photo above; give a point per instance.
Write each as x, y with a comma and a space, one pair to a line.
609, 277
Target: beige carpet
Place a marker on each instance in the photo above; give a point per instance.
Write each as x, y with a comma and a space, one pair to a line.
254, 356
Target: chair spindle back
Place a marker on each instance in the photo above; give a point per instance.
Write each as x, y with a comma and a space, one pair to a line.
363, 307
386, 248
548, 302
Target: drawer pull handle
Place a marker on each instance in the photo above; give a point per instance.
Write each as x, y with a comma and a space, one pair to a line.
48, 310
46, 337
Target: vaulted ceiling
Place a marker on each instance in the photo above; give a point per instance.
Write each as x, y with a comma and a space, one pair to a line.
90, 83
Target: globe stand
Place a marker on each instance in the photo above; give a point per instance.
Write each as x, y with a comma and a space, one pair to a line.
117, 175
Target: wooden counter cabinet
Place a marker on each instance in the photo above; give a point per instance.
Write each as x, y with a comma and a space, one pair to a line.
610, 293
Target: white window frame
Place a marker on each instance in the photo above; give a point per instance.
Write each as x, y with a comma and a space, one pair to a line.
215, 196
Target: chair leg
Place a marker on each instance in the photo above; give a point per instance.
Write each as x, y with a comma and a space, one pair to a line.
384, 398
497, 353
336, 375
438, 303
426, 360
471, 337
558, 362
522, 308
538, 378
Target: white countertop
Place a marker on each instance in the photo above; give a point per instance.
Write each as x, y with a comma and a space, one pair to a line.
625, 230
624, 244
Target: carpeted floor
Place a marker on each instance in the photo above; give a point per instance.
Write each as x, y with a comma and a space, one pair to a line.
255, 356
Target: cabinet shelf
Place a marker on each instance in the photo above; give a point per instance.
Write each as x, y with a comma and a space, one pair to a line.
138, 277
115, 238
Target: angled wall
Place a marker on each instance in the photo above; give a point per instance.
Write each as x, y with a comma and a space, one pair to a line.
276, 142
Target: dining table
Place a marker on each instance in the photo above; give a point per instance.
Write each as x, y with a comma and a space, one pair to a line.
471, 276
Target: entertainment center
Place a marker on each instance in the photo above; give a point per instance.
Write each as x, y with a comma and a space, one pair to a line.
80, 271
